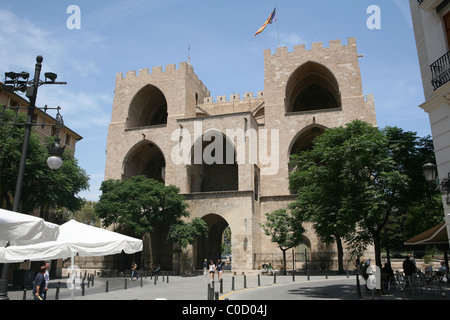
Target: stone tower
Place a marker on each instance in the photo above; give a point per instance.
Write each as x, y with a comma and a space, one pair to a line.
229, 156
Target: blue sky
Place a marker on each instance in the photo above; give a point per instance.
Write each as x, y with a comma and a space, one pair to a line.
122, 35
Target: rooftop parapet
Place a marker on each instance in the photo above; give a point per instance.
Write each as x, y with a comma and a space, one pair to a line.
234, 97
170, 70
315, 46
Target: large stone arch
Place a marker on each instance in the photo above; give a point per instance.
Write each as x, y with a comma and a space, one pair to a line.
312, 87
209, 171
304, 138
147, 108
210, 248
147, 159
303, 141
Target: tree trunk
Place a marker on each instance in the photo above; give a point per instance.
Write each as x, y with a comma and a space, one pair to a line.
340, 252
284, 261
377, 245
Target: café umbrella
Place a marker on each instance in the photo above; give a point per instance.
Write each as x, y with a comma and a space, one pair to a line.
74, 238
23, 229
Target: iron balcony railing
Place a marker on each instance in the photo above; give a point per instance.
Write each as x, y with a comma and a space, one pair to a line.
420, 1
440, 71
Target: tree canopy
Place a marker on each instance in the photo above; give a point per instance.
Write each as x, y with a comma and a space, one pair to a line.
355, 178
42, 187
285, 229
140, 204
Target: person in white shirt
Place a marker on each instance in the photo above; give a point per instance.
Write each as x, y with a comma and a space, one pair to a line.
47, 278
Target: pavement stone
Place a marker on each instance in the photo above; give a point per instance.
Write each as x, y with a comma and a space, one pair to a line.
191, 288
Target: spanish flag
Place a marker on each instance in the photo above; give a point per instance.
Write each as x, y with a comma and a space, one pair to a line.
272, 18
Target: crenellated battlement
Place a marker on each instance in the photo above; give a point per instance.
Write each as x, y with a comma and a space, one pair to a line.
184, 70
235, 97
315, 47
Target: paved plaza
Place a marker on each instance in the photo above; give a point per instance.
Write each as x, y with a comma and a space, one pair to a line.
195, 288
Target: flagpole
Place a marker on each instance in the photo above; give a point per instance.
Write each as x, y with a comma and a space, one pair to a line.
278, 29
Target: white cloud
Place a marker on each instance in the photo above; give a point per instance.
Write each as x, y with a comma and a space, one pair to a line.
80, 110
71, 56
403, 7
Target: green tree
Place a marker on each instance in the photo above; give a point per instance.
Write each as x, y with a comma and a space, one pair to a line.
285, 229
140, 204
419, 207
86, 214
42, 187
184, 234
318, 180
360, 176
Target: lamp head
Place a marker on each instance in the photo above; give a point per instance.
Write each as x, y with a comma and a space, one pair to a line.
51, 76
429, 172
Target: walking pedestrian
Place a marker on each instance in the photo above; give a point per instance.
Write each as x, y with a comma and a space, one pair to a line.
205, 268
212, 270
39, 284
134, 271
219, 269
47, 278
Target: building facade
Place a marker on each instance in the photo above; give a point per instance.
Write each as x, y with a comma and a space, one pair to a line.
67, 136
230, 156
431, 21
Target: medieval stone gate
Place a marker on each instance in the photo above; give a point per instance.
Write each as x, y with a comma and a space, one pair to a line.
164, 122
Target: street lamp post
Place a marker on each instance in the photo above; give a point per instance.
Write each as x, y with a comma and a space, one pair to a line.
31, 89
430, 174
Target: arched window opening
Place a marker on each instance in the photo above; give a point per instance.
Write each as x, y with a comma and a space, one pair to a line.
148, 108
216, 172
312, 87
304, 141
145, 159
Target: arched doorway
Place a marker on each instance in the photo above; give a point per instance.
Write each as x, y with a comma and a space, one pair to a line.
211, 248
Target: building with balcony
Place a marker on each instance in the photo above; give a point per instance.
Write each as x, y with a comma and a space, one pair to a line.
431, 21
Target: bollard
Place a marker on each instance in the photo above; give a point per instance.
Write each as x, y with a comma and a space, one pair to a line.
82, 288
107, 286
326, 273
307, 272
216, 296
167, 278
274, 277
293, 276
209, 292
24, 294
89, 280
358, 287
221, 285
142, 283
232, 283
58, 286
92, 280
245, 281
155, 280
259, 280
125, 284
